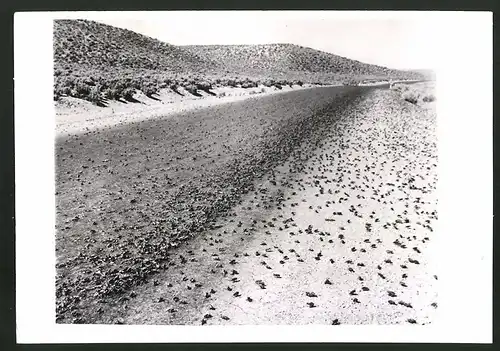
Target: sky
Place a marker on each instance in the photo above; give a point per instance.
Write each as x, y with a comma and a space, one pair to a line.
391, 40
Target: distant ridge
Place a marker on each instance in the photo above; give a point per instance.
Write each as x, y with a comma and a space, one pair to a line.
92, 59
288, 57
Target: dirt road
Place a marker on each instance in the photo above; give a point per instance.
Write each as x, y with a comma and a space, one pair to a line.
318, 208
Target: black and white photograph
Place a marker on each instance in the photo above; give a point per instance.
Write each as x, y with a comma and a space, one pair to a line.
246, 169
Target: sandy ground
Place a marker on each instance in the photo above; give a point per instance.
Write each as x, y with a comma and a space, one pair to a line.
125, 196
341, 233
76, 116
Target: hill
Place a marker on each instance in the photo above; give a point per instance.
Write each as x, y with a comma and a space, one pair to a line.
91, 43
288, 58
427, 74
95, 61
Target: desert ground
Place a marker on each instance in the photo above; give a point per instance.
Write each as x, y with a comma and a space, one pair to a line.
77, 116
313, 206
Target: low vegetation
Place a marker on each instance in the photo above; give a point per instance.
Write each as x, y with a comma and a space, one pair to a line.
414, 94
95, 85
351, 81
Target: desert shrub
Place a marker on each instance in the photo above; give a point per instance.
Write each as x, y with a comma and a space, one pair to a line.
89, 81
128, 93
66, 90
400, 87
350, 81
64, 82
136, 84
191, 88
112, 94
225, 82
230, 82
204, 85
248, 84
174, 86
80, 90
62, 90
149, 89
94, 95
284, 83
411, 96
115, 90
118, 85
163, 85
269, 83
428, 98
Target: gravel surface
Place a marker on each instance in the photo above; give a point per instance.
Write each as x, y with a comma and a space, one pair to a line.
314, 206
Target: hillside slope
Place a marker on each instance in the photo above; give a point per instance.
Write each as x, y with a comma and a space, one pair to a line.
288, 57
91, 43
96, 62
